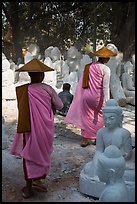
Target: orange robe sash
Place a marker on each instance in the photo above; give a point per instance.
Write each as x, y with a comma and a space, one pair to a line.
24, 124
85, 83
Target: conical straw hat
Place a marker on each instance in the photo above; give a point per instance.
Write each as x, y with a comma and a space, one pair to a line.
104, 52
35, 66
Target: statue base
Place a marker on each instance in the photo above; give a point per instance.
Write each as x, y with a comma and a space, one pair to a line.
93, 187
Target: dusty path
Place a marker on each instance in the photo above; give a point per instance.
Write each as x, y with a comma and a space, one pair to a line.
68, 159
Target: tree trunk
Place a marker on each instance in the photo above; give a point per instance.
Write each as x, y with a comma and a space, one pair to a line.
124, 38
94, 35
14, 23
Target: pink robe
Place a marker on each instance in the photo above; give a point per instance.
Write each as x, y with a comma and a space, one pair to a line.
39, 142
85, 111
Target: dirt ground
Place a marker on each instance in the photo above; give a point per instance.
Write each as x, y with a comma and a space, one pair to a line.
68, 159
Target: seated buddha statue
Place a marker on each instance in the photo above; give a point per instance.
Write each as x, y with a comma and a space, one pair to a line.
128, 84
114, 134
110, 169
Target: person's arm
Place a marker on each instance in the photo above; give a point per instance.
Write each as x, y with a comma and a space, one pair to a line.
56, 101
106, 82
72, 98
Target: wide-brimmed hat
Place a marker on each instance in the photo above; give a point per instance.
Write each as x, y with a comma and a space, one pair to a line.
35, 66
105, 53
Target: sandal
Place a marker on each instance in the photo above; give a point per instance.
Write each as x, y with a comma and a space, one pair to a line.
26, 193
84, 143
94, 142
39, 185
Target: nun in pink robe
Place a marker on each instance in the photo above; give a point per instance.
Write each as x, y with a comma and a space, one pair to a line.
85, 111
33, 140
39, 142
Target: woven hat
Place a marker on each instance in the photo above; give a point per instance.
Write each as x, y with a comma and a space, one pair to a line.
34, 66
105, 53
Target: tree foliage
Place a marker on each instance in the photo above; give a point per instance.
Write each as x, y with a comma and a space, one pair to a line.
53, 23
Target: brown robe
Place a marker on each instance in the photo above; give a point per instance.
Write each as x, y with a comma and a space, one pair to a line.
23, 109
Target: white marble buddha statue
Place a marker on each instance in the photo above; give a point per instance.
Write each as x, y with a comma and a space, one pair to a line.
110, 170
127, 83
114, 64
114, 134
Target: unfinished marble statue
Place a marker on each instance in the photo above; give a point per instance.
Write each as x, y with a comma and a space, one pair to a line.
16, 74
50, 78
27, 55
65, 70
53, 59
55, 54
110, 170
7, 73
128, 84
84, 60
34, 50
57, 61
73, 62
112, 134
48, 61
47, 51
8, 88
73, 59
23, 77
72, 79
114, 64
133, 62
13, 67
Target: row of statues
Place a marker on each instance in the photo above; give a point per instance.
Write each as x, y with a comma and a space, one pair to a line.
122, 87
70, 65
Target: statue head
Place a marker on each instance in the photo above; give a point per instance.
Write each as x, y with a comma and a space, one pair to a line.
72, 52
3, 56
47, 51
112, 114
55, 54
112, 47
111, 165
